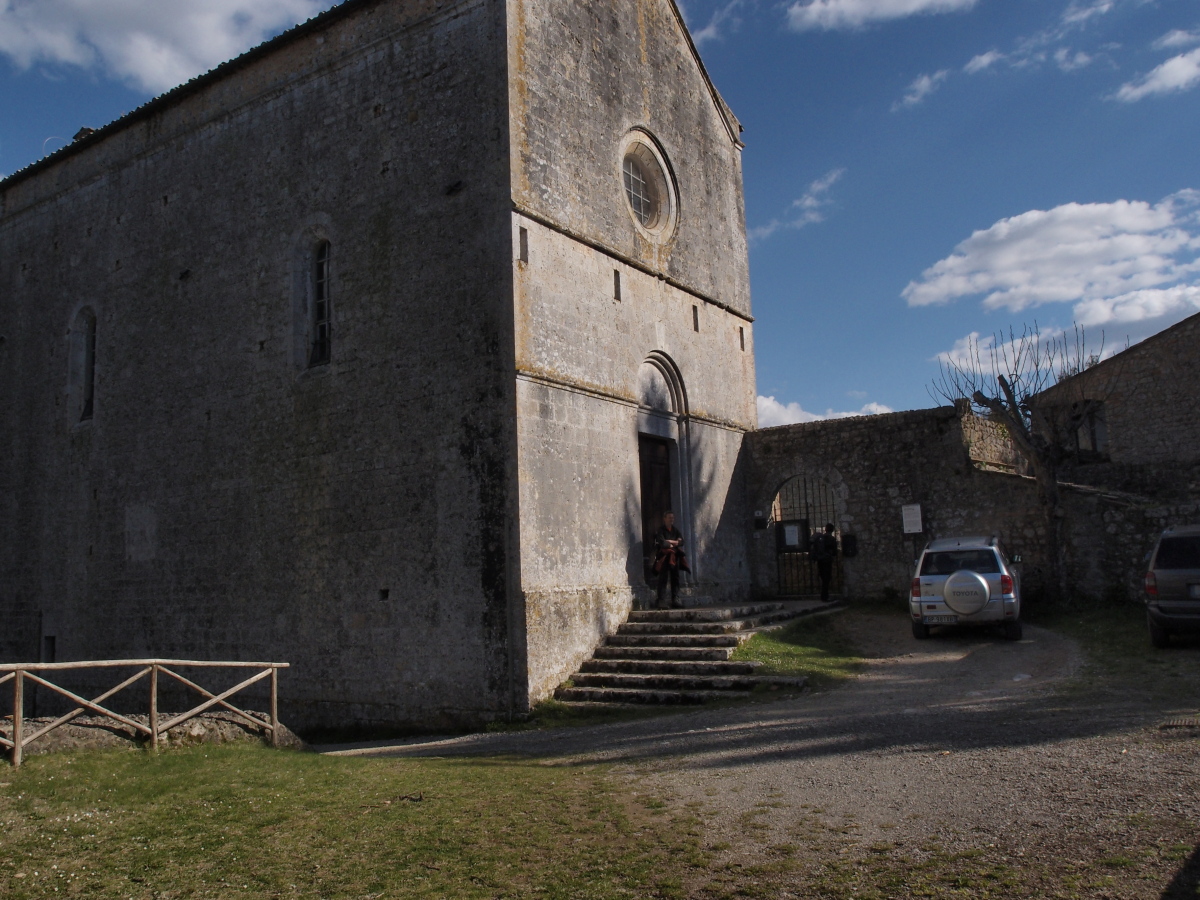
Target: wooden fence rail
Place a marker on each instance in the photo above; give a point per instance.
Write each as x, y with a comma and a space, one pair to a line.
19, 673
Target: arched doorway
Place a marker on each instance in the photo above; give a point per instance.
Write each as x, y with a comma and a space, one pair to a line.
800, 510
662, 453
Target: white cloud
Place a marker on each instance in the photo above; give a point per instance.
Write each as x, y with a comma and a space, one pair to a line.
1138, 306
1179, 73
152, 45
1177, 38
807, 210
771, 413
1048, 44
829, 15
983, 61
921, 87
1078, 13
1068, 61
722, 19
1116, 262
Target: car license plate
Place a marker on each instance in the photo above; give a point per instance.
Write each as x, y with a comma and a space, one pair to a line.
940, 620
1194, 591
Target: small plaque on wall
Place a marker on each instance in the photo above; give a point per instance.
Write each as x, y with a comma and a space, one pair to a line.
912, 518
792, 536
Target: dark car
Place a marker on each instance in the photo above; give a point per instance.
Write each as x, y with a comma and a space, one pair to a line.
1173, 584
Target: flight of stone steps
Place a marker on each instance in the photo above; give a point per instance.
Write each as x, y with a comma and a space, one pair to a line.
681, 655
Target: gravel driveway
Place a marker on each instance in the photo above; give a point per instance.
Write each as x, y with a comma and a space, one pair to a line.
960, 765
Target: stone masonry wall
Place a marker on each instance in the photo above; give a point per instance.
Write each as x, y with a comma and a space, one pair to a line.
1110, 535
1151, 396
988, 442
578, 418
225, 502
583, 75
877, 464
586, 72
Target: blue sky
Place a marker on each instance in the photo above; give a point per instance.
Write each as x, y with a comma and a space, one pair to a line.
916, 171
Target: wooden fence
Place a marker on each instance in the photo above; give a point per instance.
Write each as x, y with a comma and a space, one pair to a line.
19, 673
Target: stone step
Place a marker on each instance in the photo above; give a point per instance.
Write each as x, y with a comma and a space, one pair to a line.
624, 696
715, 654
671, 640
667, 667
681, 656
704, 613
666, 682
678, 628
732, 626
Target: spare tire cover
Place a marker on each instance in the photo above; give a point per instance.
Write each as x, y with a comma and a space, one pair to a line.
966, 592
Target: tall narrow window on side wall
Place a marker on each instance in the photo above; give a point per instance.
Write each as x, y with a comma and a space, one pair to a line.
320, 337
82, 366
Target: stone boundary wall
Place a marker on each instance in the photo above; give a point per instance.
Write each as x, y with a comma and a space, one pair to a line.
988, 442
1109, 536
877, 464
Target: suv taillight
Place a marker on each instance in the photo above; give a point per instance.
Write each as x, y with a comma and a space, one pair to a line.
1006, 584
1151, 584
916, 587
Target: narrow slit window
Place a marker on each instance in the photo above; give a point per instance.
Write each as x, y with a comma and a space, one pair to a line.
617, 285
82, 366
88, 387
742, 337
523, 244
321, 343
695, 318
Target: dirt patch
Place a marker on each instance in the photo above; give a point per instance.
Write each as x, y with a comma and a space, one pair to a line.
89, 732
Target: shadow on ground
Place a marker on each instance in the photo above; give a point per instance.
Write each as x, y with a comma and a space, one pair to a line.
963, 691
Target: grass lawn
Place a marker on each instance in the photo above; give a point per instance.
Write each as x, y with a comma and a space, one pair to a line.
812, 646
245, 821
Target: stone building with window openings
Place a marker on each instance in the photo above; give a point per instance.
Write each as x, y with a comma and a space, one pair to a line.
378, 350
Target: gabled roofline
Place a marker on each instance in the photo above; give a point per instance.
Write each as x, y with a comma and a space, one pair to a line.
1112, 360
315, 24
193, 86
732, 125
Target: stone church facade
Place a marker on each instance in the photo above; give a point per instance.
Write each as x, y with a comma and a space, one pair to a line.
377, 350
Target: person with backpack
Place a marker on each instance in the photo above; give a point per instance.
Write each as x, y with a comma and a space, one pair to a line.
824, 551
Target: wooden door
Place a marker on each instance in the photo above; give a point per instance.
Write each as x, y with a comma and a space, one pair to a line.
655, 457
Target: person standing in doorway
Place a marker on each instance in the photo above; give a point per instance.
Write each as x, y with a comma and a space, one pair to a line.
669, 558
824, 551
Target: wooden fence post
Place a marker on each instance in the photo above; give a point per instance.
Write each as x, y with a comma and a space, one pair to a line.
154, 708
274, 707
18, 716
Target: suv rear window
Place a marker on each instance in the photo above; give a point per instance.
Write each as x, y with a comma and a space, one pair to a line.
946, 562
1178, 553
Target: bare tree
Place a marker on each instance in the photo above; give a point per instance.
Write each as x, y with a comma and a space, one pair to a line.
1031, 384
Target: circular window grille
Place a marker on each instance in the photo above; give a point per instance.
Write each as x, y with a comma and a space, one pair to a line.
647, 189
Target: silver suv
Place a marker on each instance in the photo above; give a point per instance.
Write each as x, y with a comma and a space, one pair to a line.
1173, 584
965, 581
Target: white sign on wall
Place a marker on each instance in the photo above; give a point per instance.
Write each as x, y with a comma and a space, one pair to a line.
912, 518
791, 535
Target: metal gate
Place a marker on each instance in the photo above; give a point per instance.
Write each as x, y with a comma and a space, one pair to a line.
801, 509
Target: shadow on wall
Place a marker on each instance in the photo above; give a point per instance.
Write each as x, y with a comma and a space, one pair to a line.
708, 547
633, 532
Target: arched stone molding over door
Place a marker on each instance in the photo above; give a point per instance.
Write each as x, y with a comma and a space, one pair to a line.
663, 454
800, 508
